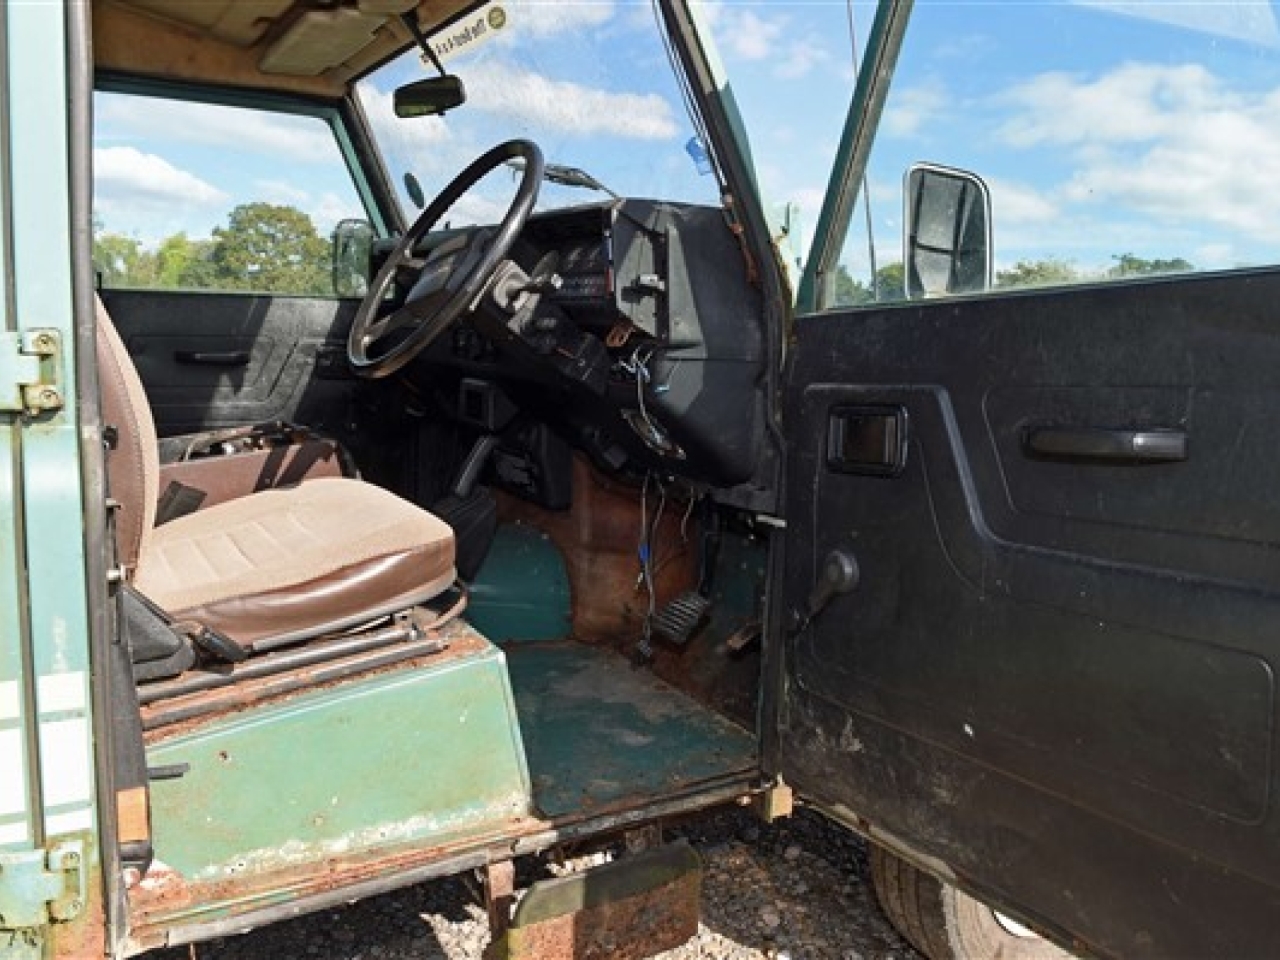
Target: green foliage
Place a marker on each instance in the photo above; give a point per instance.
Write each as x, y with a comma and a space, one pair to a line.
1128, 265
891, 283
121, 261
270, 247
263, 247
1037, 273
890, 286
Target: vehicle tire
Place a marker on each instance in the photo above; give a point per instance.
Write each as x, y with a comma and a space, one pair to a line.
945, 923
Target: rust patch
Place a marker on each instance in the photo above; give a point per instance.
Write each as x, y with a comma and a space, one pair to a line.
164, 895
640, 924
599, 536
463, 641
85, 937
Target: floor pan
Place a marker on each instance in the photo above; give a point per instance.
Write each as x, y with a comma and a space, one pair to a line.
598, 732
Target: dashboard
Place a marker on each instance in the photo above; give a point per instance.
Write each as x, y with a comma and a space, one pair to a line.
641, 340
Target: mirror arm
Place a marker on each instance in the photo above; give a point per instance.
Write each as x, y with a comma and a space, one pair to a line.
410, 20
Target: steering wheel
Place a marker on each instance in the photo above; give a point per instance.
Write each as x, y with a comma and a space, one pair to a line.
453, 277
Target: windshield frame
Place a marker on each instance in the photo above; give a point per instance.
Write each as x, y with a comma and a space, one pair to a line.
852, 154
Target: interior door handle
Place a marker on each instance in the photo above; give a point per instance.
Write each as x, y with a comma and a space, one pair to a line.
213, 358
1111, 446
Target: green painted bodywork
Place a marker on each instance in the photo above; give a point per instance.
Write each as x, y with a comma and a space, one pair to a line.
522, 591
420, 756
601, 733
46, 718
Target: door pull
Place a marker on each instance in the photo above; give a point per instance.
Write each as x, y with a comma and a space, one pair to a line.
1107, 446
213, 358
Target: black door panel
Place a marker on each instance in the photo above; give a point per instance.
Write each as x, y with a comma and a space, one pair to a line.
1054, 660
212, 360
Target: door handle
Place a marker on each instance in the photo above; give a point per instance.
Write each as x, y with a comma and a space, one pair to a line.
213, 358
839, 575
1159, 445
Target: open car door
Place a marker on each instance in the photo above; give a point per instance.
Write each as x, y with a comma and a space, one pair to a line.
1031, 581
1054, 678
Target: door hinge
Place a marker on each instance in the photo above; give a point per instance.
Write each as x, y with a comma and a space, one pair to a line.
30, 371
38, 887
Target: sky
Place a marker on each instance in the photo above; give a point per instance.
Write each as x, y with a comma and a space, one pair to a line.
1102, 127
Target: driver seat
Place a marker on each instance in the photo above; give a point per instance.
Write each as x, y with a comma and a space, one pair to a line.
271, 567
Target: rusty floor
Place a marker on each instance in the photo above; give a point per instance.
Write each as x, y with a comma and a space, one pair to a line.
597, 731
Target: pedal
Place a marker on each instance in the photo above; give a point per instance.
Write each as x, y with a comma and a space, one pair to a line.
680, 617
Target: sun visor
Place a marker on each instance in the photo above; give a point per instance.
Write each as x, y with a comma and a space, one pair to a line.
241, 22
386, 8
320, 39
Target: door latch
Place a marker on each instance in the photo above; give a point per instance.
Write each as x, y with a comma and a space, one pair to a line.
42, 886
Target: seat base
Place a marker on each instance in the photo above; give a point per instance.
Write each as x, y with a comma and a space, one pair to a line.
294, 562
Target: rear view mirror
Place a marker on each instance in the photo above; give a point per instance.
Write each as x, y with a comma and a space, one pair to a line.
429, 97
352, 250
947, 245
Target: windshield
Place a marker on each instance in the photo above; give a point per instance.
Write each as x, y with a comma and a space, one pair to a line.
590, 83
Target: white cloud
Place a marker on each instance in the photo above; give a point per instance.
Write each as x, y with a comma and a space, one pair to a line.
541, 18
325, 209
1017, 203
568, 107
752, 37
1134, 102
1170, 142
914, 109
280, 136
131, 183
747, 35
800, 58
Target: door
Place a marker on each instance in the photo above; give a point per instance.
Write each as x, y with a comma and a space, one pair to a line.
1054, 681
56, 815
1056, 674
213, 223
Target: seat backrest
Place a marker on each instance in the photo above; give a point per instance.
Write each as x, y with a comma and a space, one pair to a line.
133, 466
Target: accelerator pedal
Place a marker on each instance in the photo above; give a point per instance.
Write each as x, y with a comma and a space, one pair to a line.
680, 617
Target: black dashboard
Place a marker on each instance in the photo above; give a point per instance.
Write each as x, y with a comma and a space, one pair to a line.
637, 335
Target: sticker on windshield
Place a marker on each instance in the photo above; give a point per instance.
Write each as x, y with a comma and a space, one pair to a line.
469, 32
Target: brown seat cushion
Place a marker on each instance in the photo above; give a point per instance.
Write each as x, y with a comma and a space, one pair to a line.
291, 562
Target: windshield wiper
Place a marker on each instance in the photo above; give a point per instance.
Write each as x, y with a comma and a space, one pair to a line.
567, 176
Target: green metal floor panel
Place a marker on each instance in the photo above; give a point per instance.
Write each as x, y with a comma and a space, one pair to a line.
431, 754
522, 590
597, 732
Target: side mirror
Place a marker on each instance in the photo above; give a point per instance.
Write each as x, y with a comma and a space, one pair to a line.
947, 245
352, 251
429, 97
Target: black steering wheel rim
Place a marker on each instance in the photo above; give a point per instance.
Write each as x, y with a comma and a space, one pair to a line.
368, 328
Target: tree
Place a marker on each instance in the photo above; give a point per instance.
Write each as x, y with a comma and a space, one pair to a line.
185, 264
269, 247
122, 262
1037, 273
889, 287
848, 291
1128, 265
891, 283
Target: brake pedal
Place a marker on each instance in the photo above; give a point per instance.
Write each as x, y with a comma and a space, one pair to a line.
680, 617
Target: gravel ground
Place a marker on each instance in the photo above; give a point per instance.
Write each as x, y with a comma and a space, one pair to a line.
796, 889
